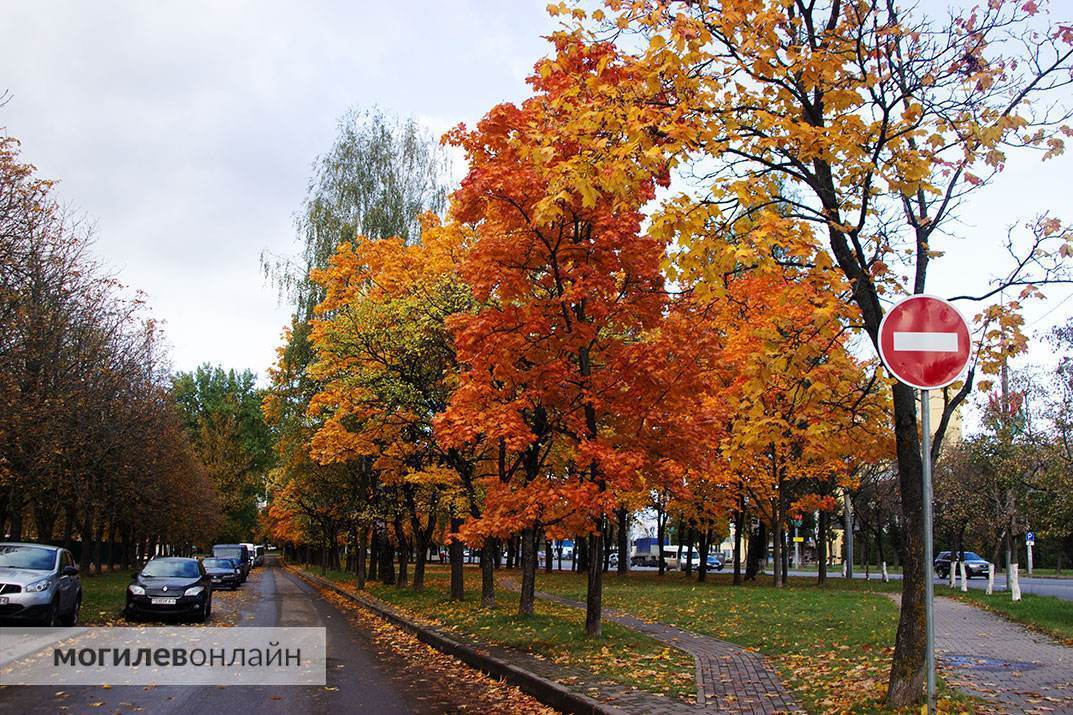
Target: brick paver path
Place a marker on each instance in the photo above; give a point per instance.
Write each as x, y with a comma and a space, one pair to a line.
1001, 661
730, 679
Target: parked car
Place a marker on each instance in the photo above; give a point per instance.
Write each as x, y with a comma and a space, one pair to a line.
252, 548
223, 572
258, 555
715, 562
238, 553
39, 584
975, 565
170, 586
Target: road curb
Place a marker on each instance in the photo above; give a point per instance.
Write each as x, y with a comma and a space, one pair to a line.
546, 691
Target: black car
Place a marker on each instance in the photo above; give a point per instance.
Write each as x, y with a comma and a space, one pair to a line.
170, 587
223, 572
974, 564
239, 553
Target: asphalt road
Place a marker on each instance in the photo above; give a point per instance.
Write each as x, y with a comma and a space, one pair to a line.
361, 677
1059, 587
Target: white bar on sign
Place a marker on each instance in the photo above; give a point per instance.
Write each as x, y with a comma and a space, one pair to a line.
927, 342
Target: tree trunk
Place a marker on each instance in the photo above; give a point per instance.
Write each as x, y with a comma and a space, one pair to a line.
111, 546
387, 558
907, 669
776, 567
739, 519
821, 549
374, 553
528, 559
785, 554
594, 591
86, 532
605, 561
16, 505
68, 527
420, 557
547, 556
488, 580
702, 558
363, 538
402, 547
623, 540
456, 554
581, 554
691, 534
679, 534
757, 551
124, 559
44, 520
865, 556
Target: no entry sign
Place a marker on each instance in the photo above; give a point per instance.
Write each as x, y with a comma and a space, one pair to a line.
924, 342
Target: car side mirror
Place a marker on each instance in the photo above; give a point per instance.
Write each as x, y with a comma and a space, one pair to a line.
134, 574
69, 571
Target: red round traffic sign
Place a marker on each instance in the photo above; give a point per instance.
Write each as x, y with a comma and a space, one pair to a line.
924, 342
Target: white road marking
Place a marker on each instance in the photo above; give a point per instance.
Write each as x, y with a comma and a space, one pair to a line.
926, 342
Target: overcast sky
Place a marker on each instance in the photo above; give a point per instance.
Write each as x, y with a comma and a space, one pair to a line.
186, 131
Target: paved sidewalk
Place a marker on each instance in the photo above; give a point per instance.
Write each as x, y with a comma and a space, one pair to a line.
1001, 661
730, 679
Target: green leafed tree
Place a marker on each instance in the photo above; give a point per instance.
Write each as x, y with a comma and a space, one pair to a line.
221, 410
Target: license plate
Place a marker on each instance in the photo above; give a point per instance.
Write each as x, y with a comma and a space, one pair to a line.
163, 601
3, 600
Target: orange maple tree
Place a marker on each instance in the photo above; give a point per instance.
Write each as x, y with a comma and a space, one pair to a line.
570, 287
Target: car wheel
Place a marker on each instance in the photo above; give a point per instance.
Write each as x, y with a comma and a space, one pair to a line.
71, 619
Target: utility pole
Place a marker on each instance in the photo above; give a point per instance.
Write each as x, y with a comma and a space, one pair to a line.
1004, 407
929, 585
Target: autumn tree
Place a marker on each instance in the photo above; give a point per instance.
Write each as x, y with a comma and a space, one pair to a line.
91, 448
569, 286
387, 367
380, 174
872, 125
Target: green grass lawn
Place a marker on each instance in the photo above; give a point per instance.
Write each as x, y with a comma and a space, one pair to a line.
103, 597
1047, 614
554, 632
833, 645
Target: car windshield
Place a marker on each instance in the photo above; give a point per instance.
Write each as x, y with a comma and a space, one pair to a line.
970, 556
219, 563
233, 552
171, 569
27, 557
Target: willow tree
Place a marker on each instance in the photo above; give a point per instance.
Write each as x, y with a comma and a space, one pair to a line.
380, 174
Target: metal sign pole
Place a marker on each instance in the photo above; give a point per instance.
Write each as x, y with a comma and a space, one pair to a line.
925, 442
